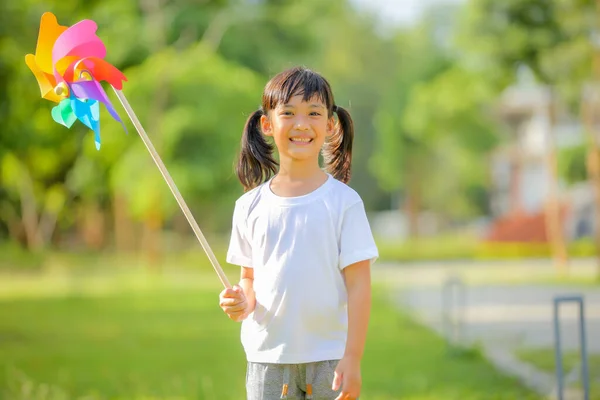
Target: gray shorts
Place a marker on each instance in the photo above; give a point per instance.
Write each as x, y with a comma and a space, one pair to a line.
291, 381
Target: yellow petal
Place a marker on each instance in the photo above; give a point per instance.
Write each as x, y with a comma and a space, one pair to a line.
45, 81
62, 64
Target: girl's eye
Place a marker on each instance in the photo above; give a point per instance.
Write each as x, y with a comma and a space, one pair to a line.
315, 113
286, 113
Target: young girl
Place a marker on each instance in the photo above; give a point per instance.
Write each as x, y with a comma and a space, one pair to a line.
304, 244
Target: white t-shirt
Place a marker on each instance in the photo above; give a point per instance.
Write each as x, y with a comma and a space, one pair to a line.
298, 247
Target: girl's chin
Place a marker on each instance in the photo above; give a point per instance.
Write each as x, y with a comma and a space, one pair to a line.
300, 155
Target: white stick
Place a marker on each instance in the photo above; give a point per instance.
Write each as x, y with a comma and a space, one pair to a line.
173, 187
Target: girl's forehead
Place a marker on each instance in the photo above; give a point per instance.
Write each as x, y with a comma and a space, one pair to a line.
298, 99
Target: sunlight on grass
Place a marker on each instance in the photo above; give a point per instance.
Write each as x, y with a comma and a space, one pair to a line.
544, 359
164, 337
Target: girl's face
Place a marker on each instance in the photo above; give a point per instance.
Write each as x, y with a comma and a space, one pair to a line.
299, 128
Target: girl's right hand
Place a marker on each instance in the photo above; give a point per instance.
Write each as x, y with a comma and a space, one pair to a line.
233, 302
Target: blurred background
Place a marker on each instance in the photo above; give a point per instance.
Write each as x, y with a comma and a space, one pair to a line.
476, 154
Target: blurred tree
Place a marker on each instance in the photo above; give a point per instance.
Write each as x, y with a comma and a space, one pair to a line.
399, 158
356, 59
590, 112
197, 131
195, 70
35, 155
572, 164
549, 38
451, 113
433, 130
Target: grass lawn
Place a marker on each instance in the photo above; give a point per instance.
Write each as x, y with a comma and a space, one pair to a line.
130, 336
544, 359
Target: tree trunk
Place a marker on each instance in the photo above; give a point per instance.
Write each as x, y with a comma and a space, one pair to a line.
554, 223
123, 225
153, 220
92, 225
514, 192
412, 206
29, 213
14, 223
589, 106
151, 239
594, 174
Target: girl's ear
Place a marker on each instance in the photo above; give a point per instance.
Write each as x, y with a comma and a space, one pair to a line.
330, 126
266, 126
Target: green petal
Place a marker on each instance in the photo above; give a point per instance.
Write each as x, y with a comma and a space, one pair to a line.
63, 113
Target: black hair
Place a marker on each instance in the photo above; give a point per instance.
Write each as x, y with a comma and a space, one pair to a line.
256, 163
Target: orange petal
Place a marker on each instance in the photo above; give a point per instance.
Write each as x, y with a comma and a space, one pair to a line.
45, 81
50, 30
62, 65
100, 70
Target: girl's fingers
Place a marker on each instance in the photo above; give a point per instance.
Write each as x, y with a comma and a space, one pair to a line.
231, 302
236, 315
237, 307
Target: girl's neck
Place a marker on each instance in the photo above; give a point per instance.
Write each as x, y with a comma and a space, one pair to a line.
297, 180
292, 170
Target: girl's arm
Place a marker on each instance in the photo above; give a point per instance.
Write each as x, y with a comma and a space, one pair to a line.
358, 284
347, 374
247, 284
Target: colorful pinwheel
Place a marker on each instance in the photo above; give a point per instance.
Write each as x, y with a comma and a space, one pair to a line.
69, 66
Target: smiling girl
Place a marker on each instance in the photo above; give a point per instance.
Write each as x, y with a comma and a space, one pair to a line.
304, 244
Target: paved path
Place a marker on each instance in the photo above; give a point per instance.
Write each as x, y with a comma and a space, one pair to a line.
512, 316
501, 317
497, 314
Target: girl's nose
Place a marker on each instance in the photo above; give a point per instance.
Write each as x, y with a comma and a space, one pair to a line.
301, 124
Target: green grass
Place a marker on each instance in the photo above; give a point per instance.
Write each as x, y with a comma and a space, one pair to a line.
544, 359
130, 336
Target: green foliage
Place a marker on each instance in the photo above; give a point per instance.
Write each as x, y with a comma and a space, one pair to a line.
397, 152
196, 136
450, 113
572, 164
551, 38
421, 98
435, 128
195, 72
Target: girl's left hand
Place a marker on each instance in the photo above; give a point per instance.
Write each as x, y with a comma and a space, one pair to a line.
347, 375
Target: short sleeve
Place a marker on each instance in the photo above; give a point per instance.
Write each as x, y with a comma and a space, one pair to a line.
356, 242
240, 250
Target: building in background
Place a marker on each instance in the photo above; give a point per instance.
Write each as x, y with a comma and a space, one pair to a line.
521, 178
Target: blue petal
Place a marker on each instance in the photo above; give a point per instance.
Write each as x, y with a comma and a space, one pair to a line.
88, 112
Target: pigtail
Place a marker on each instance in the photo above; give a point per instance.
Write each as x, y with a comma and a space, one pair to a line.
256, 163
337, 152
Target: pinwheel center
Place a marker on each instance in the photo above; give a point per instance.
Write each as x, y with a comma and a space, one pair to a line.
85, 75
61, 90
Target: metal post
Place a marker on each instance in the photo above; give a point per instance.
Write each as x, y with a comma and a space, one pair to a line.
453, 308
582, 346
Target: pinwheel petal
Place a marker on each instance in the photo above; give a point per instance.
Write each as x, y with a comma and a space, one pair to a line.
63, 113
50, 30
88, 112
98, 68
79, 40
93, 90
45, 81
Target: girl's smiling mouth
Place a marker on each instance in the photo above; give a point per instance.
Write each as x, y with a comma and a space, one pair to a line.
301, 140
